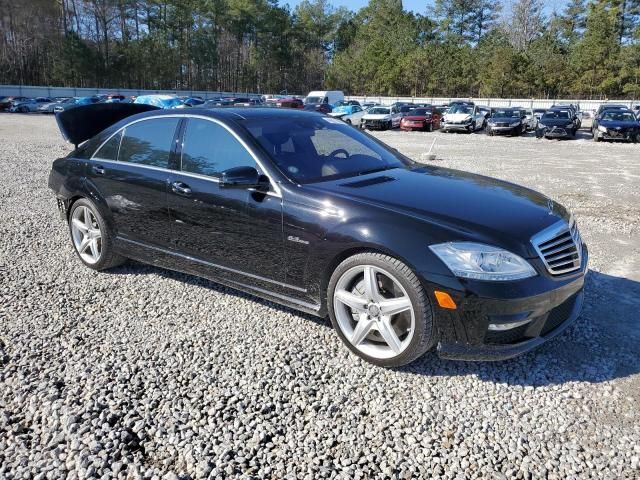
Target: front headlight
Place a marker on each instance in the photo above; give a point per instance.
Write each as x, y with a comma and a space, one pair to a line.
514, 124
541, 125
602, 129
482, 262
491, 122
468, 120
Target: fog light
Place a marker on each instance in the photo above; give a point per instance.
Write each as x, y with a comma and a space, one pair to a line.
501, 327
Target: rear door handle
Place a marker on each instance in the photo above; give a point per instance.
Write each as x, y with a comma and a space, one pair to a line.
98, 169
180, 188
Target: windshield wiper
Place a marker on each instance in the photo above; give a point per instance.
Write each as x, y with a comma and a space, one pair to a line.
379, 169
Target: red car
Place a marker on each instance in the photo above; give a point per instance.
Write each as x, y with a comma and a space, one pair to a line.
289, 103
421, 119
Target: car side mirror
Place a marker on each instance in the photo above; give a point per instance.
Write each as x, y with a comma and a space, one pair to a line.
243, 177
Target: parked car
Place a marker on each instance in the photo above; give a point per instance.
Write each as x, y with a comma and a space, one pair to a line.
610, 106
600, 114
7, 102
529, 119
289, 102
403, 257
160, 101
486, 111
29, 105
463, 117
368, 105
538, 112
323, 97
577, 114
507, 121
424, 119
557, 123
353, 118
318, 107
247, 102
218, 102
193, 101
345, 107
381, 118
617, 125
48, 107
75, 102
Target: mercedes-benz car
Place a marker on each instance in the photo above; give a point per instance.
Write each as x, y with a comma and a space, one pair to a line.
306, 211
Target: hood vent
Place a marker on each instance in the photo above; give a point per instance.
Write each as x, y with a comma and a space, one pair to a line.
368, 182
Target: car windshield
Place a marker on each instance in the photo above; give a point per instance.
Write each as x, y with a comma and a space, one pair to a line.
618, 116
407, 108
379, 111
556, 114
342, 103
507, 113
315, 148
421, 111
461, 109
313, 100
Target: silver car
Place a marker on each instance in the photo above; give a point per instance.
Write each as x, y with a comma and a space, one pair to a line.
49, 106
30, 105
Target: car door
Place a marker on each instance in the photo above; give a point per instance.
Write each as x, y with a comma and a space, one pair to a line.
130, 172
233, 232
396, 116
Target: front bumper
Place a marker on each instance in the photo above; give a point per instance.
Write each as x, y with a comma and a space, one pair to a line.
377, 124
414, 125
464, 333
503, 130
554, 132
625, 135
463, 127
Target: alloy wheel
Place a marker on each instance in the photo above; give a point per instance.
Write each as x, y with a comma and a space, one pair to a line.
374, 311
86, 233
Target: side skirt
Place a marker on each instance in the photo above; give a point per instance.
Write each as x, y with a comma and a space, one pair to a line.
163, 258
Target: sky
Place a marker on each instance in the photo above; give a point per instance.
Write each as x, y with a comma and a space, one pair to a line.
419, 6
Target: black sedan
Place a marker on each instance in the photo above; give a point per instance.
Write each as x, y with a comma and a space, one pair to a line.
557, 123
306, 211
505, 121
616, 125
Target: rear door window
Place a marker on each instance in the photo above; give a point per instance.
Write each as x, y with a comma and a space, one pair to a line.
109, 151
149, 142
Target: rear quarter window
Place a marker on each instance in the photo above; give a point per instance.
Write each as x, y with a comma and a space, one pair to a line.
109, 151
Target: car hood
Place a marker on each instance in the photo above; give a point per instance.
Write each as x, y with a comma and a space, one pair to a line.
505, 119
556, 122
377, 116
463, 205
457, 117
618, 124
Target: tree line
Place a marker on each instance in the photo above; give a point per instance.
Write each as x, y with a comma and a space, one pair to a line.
590, 49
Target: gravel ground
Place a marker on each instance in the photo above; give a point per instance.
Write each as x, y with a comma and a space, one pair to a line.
145, 373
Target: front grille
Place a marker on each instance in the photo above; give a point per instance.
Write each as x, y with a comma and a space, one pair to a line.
502, 124
559, 247
558, 315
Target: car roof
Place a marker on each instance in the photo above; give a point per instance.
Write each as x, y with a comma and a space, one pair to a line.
236, 113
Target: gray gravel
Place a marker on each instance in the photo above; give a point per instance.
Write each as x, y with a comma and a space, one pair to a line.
144, 373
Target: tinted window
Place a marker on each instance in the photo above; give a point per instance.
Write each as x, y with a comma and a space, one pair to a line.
314, 148
148, 142
209, 149
109, 151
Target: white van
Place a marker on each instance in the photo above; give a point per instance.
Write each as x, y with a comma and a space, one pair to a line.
330, 97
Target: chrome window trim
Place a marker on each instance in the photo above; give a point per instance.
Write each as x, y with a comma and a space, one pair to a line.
276, 193
214, 265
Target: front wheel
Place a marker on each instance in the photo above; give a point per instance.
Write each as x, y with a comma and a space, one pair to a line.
380, 310
91, 237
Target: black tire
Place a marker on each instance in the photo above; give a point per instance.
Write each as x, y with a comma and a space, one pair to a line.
424, 337
108, 257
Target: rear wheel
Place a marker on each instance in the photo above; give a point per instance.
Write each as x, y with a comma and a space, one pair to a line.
380, 310
91, 237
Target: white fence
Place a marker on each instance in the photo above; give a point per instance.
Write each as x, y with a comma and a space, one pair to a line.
30, 91
495, 102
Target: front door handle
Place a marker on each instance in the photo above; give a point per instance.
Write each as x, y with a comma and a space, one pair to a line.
180, 188
98, 169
